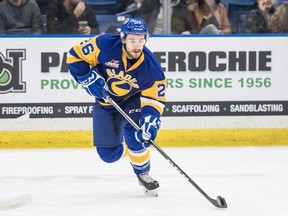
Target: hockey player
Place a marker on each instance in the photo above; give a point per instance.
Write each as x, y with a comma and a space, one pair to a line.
124, 67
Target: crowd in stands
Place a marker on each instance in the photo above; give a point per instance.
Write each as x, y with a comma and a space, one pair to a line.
187, 16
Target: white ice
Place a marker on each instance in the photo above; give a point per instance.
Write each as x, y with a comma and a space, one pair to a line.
75, 182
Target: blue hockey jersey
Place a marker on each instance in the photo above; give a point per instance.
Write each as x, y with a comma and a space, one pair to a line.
106, 53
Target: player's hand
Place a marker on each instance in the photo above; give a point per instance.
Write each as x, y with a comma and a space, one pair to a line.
79, 9
148, 130
86, 30
93, 83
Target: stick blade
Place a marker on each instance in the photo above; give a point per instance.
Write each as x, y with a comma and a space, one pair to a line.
17, 202
221, 202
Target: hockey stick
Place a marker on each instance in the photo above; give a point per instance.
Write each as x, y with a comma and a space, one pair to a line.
220, 202
15, 203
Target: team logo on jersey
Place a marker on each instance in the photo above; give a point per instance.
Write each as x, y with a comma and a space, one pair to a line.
113, 63
11, 71
120, 84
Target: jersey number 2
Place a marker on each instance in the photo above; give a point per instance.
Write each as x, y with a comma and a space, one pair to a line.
161, 90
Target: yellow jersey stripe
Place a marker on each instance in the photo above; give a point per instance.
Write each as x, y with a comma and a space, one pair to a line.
140, 158
153, 91
158, 108
139, 61
151, 101
72, 59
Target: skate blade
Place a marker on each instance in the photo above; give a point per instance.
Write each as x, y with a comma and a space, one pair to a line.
151, 193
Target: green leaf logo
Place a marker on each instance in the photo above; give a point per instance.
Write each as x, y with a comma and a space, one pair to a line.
4, 77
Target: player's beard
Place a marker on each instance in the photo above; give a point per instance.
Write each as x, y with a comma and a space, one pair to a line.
133, 54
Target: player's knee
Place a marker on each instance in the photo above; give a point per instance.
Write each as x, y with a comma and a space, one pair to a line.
131, 141
135, 145
110, 155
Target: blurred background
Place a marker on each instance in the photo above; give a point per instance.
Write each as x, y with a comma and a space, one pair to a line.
162, 16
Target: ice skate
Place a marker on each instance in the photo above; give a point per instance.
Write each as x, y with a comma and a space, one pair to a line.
149, 184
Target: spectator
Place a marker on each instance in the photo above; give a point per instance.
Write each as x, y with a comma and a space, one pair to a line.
42, 4
113, 29
63, 17
258, 20
152, 12
183, 21
19, 17
211, 17
123, 5
279, 20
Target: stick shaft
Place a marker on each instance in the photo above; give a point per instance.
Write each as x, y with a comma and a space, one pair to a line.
160, 150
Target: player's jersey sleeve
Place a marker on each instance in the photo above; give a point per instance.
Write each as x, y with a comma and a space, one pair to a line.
153, 99
81, 56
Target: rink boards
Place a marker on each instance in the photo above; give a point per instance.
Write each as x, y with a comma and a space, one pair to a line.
166, 138
221, 91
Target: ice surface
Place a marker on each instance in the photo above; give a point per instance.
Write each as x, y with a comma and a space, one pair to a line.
75, 182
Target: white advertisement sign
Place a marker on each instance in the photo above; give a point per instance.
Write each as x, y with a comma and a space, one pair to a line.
224, 68
206, 76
